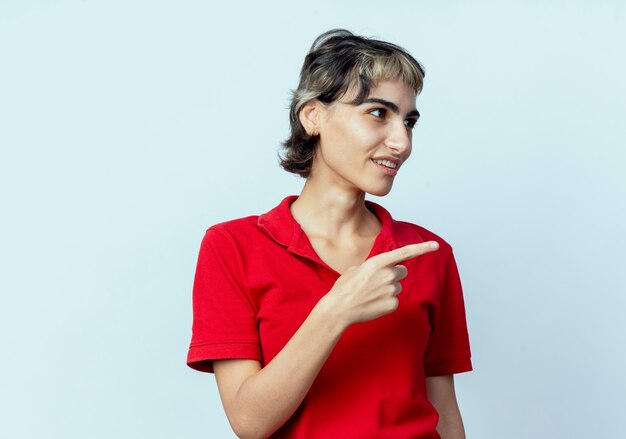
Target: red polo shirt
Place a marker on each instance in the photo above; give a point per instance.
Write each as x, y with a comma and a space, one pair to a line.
257, 280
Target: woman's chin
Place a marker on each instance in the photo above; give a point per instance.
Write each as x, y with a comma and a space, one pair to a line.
379, 191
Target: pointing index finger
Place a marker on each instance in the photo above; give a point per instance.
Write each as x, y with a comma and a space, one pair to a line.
404, 253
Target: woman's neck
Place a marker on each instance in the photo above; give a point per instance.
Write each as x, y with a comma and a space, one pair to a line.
333, 213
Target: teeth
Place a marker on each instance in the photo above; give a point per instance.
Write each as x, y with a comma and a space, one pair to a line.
386, 163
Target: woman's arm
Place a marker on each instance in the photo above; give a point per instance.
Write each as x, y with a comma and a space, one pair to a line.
440, 391
259, 400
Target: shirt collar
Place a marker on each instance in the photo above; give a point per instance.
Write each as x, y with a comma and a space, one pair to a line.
280, 225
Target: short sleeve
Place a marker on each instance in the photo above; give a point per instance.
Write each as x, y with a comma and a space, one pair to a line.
224, 320
448, 350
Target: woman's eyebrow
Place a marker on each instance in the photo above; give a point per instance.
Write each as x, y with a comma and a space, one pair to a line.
413, 113
393, 107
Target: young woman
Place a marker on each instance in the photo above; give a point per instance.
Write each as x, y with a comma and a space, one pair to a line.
325, 317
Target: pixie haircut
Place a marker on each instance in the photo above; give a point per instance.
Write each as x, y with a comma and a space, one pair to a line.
337, 61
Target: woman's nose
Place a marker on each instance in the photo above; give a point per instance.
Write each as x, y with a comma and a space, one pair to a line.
399, 138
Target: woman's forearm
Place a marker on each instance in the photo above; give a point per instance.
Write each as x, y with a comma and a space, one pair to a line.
267, 399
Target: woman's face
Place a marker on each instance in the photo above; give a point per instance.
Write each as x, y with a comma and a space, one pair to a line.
363, 146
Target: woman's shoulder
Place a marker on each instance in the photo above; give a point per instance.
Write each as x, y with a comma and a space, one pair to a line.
238, 228
406, 232
415, 233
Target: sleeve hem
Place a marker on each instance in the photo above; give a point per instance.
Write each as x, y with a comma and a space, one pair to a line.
200, 356
448, 367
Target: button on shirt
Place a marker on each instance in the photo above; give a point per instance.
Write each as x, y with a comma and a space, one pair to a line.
258, 278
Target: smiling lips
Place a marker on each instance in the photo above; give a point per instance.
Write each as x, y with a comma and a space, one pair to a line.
387, 163
387, 166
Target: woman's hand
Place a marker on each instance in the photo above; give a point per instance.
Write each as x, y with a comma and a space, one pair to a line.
370, 290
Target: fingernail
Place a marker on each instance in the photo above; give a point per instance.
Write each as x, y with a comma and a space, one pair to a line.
434, 245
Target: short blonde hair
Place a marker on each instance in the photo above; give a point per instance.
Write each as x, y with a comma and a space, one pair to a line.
337, 61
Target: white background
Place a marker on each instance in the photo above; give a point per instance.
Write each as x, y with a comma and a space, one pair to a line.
129, 127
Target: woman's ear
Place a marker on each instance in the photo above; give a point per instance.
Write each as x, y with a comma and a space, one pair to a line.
309, 116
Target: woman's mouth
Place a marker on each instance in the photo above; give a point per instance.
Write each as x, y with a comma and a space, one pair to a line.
387, 167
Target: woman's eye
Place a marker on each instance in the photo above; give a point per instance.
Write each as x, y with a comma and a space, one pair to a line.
410, 122
379, 112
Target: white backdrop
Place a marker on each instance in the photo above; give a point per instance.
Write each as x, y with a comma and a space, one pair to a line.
129, 127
